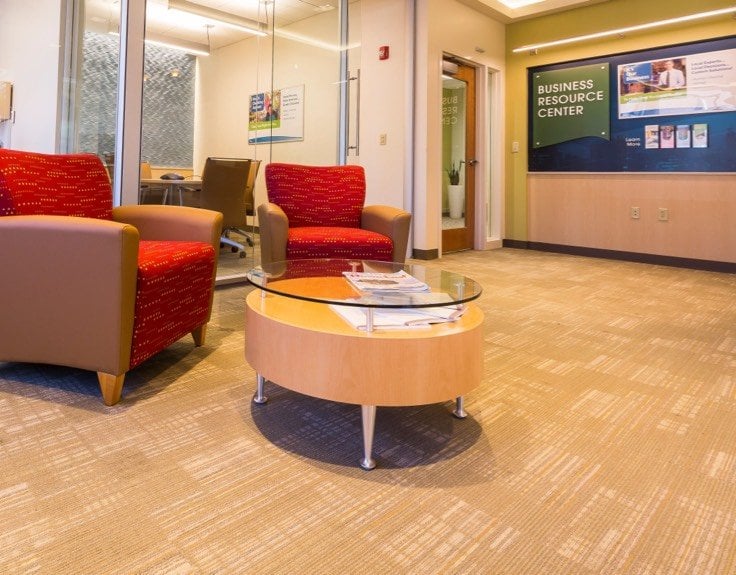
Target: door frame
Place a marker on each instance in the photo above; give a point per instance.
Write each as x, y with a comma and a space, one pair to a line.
490, 171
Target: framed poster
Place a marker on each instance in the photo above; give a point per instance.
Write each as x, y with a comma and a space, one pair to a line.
276, 116
668, 109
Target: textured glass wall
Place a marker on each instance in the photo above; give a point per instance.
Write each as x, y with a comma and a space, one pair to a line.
168, 102
98, 89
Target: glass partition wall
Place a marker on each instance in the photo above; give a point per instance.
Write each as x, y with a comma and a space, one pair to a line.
268, 80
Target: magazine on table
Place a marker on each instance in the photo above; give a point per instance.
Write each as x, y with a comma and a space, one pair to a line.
396, 281
398, 318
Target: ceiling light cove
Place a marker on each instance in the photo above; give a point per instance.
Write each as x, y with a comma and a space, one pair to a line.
187, 10
532, 48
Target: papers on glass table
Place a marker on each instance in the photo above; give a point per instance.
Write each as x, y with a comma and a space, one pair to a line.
386, 282
398, 318
395, 289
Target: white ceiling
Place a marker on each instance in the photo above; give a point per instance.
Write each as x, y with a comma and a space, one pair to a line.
104, 15
503, 11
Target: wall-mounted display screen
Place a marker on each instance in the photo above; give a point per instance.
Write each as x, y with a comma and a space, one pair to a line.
669, 109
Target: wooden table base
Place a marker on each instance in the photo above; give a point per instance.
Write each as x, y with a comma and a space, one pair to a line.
306, 347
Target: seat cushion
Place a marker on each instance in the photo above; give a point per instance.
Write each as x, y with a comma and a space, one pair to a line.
173, 294
332, 242
54, 185
317, 195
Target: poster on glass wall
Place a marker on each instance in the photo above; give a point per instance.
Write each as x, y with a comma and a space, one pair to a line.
276, 116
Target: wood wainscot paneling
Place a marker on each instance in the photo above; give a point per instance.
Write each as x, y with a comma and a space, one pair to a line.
593, 210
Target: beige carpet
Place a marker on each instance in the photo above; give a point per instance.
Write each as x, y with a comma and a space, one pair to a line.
602, 441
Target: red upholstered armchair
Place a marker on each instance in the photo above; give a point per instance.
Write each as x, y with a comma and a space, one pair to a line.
318, 212
90, 286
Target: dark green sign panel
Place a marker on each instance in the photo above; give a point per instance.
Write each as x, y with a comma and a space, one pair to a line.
569, 104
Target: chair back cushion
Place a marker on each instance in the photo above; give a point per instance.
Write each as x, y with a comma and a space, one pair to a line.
317, 195
54, 185
226, 185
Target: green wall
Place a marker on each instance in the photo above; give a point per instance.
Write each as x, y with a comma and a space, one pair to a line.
596, 18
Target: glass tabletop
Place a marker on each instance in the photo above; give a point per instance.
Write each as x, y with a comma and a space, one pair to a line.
364, 283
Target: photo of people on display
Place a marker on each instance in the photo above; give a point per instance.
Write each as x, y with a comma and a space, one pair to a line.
672, 77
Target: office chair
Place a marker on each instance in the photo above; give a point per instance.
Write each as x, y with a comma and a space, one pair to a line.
108, 160
146, 189
227, 187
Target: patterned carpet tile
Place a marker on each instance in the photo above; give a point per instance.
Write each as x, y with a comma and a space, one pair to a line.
601, 441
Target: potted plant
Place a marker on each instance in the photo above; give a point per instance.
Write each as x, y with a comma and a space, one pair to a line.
455, 191
454, 173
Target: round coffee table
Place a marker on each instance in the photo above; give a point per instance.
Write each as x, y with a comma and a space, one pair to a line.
298, 338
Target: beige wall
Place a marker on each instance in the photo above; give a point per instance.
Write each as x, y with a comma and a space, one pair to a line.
30, 56
593, 211
227, 78
451, 27
386, 101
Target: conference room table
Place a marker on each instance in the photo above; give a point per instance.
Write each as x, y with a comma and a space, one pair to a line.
172, 187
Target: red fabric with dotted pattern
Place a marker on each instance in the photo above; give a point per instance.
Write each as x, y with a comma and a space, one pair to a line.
174, 284
324, 206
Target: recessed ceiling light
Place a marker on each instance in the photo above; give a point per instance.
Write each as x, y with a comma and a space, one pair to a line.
513, 4
326, 7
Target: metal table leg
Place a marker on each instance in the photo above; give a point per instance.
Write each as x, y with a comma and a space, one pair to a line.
258, 396
459, 410
368, 413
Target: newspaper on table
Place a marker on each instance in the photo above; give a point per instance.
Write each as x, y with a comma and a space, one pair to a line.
396, 281
398, 318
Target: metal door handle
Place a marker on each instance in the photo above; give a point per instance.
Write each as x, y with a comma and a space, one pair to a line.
471, 162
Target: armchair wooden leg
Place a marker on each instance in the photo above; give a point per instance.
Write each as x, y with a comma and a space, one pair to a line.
199, 335
111, 386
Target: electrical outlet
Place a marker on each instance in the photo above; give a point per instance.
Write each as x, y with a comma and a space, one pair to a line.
663, 214
382, 139
634, 213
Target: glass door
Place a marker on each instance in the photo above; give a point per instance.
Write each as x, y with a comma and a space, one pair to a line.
310, 80
90, 86
260, 80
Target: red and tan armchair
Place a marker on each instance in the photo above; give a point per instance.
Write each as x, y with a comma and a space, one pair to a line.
90, 286
318, 212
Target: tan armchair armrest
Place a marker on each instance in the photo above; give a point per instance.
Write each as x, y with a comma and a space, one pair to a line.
67, 296
273, 226
389, 221
173, 223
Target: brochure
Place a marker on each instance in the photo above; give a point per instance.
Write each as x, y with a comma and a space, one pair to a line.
398, 318
397, 281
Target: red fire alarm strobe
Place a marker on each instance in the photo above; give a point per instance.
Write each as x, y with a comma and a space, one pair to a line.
383, 53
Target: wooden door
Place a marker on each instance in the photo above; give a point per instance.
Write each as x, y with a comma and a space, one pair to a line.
458, 158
